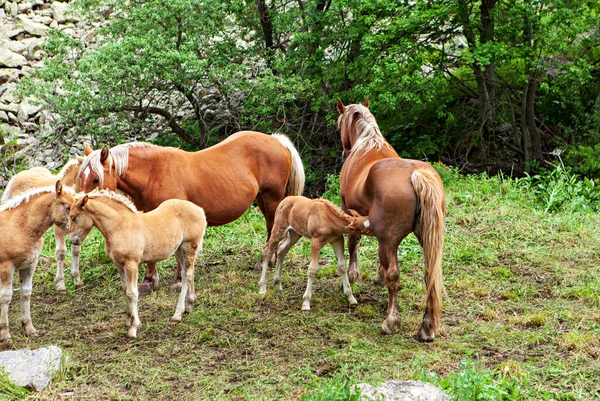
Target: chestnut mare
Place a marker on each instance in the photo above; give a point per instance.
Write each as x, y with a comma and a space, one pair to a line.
23, 221
175, 227
400, 196
39, 177
223, 179
321, 221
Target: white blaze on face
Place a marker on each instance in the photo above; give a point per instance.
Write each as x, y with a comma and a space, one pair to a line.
87, 172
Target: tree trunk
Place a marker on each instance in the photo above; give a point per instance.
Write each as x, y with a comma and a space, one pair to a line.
267, 27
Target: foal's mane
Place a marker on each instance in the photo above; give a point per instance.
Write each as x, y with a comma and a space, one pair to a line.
336, 210
25, 196
110, 195
71, 164
368, 135
118, 155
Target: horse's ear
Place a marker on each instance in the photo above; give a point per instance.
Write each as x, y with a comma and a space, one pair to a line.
87, 149
80, 159
354, 213
340, 106
366, 103
58, 187
104, 154
84, 201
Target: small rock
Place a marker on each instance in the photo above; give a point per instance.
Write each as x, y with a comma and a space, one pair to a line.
58, 11
33, 28
13, 46
11, 59
42, 20
11, 107
3, 116
34, 369
396, 390
9, 75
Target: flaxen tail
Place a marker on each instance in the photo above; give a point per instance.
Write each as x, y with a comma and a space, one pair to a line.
295, 185
432, 206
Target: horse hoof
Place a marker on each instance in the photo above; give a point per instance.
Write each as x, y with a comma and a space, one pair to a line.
79, 284
145, 288
377, 280
353, 276
388, 327
423, 337
257, 268
5, 338
132, 333
61, 288
175, 320
32, 333
176, 287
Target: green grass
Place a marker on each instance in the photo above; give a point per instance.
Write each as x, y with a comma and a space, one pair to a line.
521, 317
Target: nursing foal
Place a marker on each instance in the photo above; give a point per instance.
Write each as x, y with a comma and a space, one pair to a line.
321, 221
23, 222
175, 227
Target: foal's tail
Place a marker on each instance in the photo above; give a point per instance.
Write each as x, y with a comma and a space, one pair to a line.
295, 185
432, 212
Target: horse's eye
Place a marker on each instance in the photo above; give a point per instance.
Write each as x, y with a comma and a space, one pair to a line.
73, 218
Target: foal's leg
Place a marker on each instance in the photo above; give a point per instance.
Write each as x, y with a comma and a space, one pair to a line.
338, 249
6, 274
150, 282
131, 277
284, 247
61, 250
26, 276
75, 275
186, 255
315, 250
177, 285
279, 231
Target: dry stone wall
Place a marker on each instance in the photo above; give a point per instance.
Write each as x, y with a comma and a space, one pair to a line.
24, 26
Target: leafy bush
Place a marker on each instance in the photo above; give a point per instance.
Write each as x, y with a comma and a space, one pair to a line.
561, 190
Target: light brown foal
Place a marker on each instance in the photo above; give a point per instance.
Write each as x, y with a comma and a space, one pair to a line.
39, 177
321, 221
23, 221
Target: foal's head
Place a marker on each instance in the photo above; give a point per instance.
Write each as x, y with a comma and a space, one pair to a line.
81, 222
97, 170
61, 206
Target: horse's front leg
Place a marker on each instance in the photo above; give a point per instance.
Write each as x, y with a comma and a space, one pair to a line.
6, 291
313, 268
353, 246
75, 275
26, 277
338, 249
61, 250
150, 282
131, 292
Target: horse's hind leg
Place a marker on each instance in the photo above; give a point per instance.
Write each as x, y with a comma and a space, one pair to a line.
389, 260
278, 233
6, 291
150, 282
26, 277
176, 287
338, 249
61, 250
283, 249
181, 256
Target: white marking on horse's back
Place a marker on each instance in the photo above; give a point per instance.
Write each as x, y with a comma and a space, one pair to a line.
367, 223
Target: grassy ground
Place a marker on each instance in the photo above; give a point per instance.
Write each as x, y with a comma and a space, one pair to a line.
521, 315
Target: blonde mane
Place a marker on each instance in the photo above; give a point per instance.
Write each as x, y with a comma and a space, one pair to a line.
118, 156
110, 195
66, 168
368, 135
25, 196
336, 210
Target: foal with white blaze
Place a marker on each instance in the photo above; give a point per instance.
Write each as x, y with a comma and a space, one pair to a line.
175, 227
23, 221
321, 221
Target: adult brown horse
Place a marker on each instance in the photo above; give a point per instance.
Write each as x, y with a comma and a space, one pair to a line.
223, 179
400, 196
